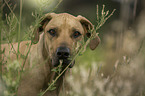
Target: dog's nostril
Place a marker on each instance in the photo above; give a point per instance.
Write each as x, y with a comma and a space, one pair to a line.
59, 53
63, 54
66, 54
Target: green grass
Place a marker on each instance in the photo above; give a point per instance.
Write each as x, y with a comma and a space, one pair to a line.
90, 56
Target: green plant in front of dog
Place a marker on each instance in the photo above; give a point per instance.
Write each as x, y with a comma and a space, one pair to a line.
11, 33
58, 68
10, 69
14, 67
11, 78
81, 46
104, 16
10, 74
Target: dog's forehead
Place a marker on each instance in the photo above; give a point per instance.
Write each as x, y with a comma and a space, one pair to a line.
66, 20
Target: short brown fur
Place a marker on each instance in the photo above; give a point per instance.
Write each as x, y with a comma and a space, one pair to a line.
38, 65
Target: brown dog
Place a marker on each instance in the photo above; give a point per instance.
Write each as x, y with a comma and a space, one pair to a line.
60, 33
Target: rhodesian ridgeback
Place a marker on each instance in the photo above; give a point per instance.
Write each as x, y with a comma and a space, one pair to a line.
55, 39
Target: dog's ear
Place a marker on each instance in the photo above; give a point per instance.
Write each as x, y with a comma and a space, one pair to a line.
43, 22
87, 25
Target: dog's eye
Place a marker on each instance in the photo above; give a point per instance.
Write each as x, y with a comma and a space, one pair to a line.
52, 32
76, 34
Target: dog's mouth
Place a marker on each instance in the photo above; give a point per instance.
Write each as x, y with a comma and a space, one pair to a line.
65, 62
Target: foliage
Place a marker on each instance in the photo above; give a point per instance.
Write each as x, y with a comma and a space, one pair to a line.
93, 80
82, 45
11, 71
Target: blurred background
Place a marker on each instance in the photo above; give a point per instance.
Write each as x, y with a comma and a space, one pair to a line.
117, 66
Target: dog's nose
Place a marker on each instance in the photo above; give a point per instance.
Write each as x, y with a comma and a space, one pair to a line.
63, 52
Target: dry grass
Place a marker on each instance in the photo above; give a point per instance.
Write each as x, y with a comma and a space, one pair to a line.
121, 73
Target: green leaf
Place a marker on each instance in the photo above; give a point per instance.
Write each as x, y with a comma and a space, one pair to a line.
52, 88
54, 70
27, 44
2, 51
23, 56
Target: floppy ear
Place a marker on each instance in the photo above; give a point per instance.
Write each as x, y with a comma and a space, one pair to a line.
87, 25
43, 22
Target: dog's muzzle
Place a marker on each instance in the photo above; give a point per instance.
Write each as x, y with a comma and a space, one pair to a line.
62, 53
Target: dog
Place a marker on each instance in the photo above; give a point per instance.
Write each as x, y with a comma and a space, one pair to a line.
54, 40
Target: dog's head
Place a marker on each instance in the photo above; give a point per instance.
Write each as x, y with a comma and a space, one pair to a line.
61, 34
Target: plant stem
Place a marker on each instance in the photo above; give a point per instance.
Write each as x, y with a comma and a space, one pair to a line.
56, 5
141, 45
24, 62
11, 10
97, 13
65, 68
21, 5
134, 10
26, 56
0, 55
104, 20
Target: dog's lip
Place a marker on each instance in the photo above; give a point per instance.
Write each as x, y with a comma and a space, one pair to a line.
55, 61
65, 61
62, 58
